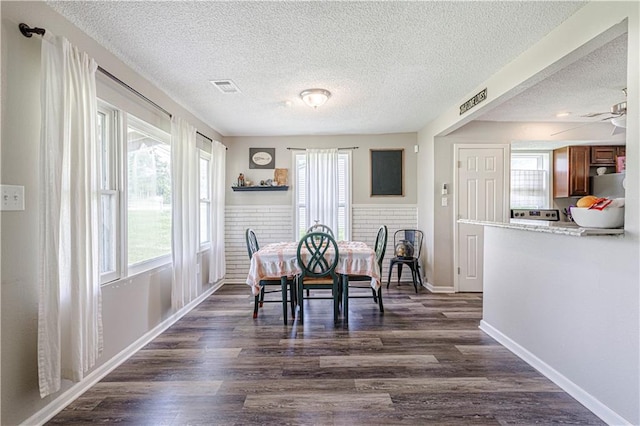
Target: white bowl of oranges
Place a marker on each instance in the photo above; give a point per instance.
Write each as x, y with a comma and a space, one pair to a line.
594, 212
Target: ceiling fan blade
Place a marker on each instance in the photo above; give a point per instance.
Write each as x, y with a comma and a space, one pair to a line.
572, 128
594, 114
583, 125
618, 130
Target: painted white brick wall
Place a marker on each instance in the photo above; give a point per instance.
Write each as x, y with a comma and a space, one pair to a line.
272, 224
367, 218
275, 223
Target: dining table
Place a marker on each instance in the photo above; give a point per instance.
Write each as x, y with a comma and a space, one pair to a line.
280, 260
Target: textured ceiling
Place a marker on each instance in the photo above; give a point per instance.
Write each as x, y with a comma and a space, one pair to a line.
391, 66
590, 85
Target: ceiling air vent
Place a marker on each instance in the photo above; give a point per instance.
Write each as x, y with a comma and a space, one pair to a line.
225, 86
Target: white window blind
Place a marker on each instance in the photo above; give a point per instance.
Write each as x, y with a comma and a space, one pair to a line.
530, 180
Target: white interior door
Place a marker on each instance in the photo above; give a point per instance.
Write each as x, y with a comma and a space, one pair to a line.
481, 194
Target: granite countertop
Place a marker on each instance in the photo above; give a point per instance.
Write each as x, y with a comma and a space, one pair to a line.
561, 228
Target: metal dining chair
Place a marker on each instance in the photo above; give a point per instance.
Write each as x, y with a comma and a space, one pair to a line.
380, 249
318, 227
317, 257
407, 244
284, 283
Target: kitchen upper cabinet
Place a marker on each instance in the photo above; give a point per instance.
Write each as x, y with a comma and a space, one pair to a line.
606, 155
571, 171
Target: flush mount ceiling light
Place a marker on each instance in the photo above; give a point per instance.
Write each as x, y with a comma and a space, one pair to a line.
315, 97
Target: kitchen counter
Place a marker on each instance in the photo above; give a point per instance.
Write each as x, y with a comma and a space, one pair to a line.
561, 228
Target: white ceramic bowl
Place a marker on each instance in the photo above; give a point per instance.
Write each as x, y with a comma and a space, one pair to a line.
612, 217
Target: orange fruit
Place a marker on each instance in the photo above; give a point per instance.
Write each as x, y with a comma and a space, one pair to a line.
587, 201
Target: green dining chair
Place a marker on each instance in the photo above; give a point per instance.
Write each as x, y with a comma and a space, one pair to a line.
318, 227
380, 249
317, 257
284, 284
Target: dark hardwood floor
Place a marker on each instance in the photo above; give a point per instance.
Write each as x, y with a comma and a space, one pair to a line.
423, 362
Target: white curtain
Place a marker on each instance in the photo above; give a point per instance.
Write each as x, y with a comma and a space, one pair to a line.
322, 187
217, 266
184, 212
69, 309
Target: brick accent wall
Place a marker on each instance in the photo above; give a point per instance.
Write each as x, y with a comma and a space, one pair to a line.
367, 218
272, 224
275, 223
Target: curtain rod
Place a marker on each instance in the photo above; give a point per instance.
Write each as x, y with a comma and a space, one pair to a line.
304, 149
28, 32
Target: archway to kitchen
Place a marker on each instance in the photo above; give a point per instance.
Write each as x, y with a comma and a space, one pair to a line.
590, 82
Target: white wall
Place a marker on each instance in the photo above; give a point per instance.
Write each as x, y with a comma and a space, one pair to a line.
572, 303
131, 307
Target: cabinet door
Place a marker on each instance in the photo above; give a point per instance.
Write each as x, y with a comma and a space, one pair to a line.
579, 157
561, 172
603, 155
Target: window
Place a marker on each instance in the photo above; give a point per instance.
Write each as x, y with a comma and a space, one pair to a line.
134, 159
530, 186
148, 192
205, 197
107, 125
344, 197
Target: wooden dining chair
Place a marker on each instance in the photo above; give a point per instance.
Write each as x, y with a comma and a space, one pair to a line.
380, 249
407, 244
317, 257
285, 283
318, 227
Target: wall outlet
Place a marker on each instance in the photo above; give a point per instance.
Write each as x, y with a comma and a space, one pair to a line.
12, 198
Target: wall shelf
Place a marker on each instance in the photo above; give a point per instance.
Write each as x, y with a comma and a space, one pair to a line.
260, 188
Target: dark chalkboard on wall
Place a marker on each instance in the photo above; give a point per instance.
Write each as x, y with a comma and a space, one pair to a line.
387, 172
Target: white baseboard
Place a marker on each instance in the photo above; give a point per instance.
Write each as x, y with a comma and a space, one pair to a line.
75, 391
582, 396
238, 281
439, 289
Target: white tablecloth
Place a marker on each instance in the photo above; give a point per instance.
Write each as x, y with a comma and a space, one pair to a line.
280, 259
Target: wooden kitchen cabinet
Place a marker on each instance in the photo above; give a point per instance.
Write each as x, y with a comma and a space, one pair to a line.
571, 171
606, 155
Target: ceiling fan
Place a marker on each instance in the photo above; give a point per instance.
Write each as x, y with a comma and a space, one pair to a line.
617, 116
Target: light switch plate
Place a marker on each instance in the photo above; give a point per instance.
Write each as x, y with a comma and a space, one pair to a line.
11, 198
445, 202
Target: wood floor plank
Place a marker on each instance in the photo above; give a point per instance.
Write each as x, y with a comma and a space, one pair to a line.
351, 343
421, 362
294, 386
355, 361
455, 384
216, 353
317, 401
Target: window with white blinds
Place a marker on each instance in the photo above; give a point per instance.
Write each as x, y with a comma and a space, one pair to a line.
530, 186
300, 201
